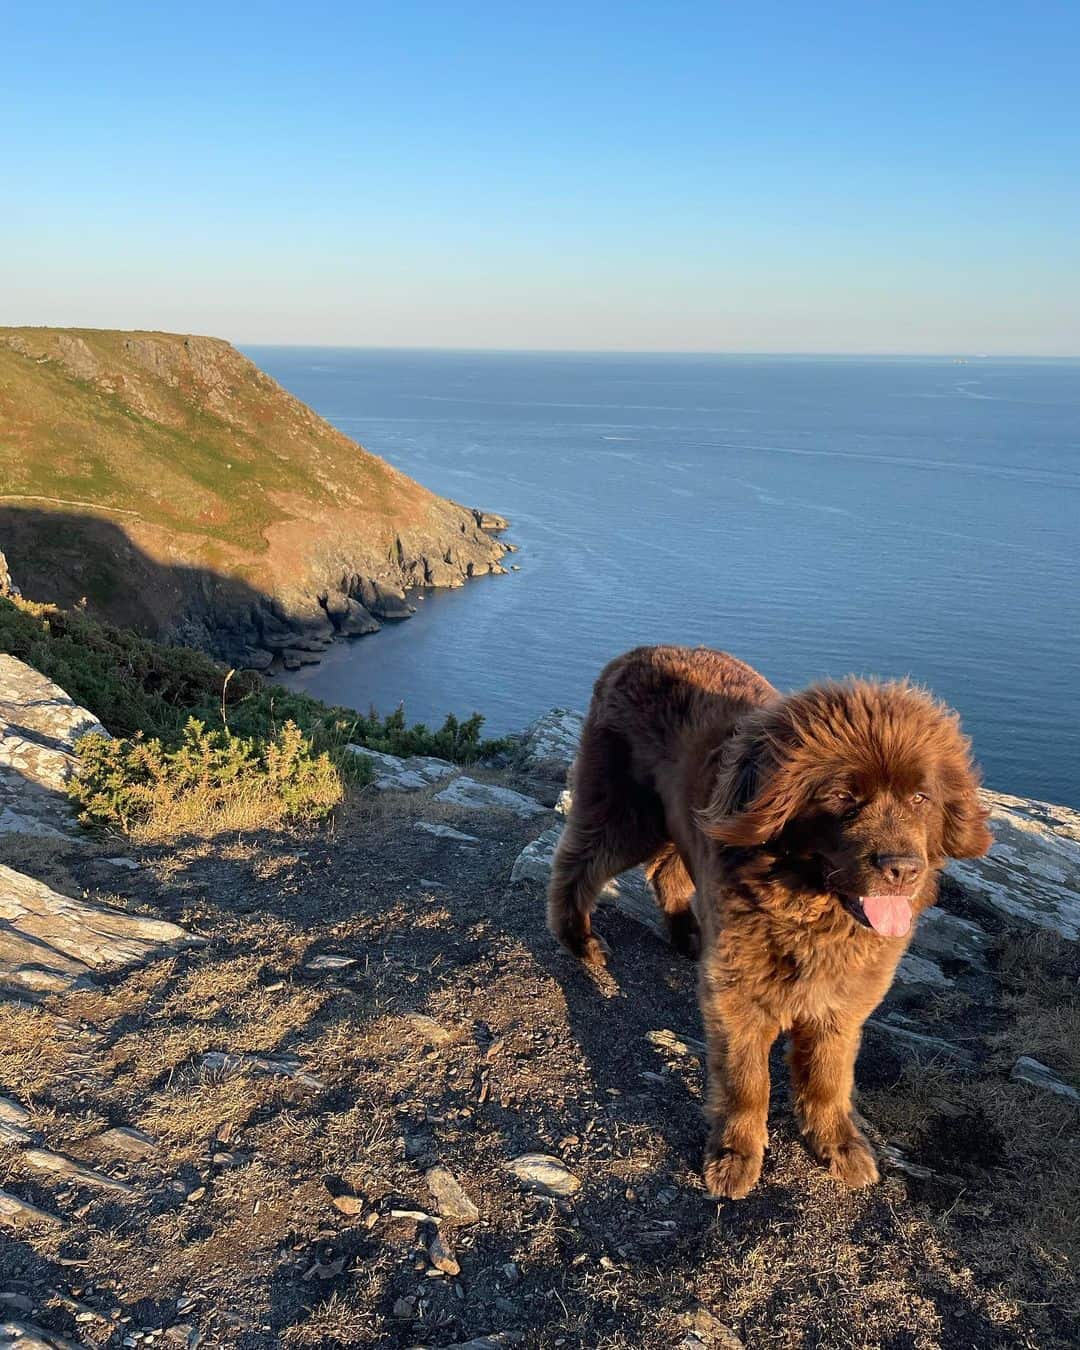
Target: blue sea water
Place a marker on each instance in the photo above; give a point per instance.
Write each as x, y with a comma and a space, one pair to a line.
816, 517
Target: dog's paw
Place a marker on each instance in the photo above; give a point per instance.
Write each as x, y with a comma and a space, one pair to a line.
594, 951
730, 1175
852, 1163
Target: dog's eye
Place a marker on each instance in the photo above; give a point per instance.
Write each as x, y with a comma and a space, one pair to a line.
918, 798
841, 795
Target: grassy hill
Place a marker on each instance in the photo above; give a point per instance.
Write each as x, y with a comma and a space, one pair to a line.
125, 453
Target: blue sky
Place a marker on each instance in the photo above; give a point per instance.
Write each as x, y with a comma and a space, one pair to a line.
784, 177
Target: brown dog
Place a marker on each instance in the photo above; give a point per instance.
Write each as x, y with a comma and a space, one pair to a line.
794, 840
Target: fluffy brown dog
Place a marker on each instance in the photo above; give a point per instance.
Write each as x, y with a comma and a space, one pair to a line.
794, 840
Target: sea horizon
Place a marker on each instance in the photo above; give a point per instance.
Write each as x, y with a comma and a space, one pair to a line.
895, 517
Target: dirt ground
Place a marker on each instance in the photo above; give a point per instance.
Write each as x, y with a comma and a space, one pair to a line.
272, 1211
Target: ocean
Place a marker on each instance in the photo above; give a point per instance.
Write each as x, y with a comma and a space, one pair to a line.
884, 516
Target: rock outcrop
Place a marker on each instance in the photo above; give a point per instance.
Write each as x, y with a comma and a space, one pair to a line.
1031, 876
50, 942
39, 725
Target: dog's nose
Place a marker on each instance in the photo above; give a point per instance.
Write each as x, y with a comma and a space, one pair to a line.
898, 869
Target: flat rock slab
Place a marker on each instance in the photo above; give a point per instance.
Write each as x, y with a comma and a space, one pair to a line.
261, 1066
50, 942
1036, 1074
543, 1174
1032, 872
942, 936
412, 774
39, 725
551, 742
917, 973
58, 1165
448, 1193
920, 1046
475, 796
13, 1112
446, 832
28, 1336
14, 1212
11, 1133
126, 1142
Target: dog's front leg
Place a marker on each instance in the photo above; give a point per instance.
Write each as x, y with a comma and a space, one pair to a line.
739, 1037
823, 1073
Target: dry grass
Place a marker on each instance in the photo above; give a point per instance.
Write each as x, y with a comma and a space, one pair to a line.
207, 812
340, 1320
36, 1047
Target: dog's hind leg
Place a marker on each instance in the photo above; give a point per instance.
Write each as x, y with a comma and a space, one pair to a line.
675, 895
614, 824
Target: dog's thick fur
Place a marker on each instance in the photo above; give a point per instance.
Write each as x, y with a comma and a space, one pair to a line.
761, 821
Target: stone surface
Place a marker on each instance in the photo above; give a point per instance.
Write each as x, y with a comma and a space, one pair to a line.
126, 1142
329, 961
542, 1173
474, 796
943, 936
14, 1211
916, 973
412, 774
50, 942
441, 1255
674, 1044
275, 1066
432, 1032
454, 1205
29, 1336
39, 725
12, 1112
551, 742
919, 1045
446, 832
1032, 872
1037, 1074
58, 1165
13, 1133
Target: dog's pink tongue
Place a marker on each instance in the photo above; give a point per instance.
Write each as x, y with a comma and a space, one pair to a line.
889, 915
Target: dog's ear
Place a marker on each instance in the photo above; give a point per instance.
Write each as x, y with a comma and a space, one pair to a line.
964, 832
963, 818
752, 799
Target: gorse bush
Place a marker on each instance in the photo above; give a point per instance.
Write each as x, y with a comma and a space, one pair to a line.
211, 781
191, 732
455, 740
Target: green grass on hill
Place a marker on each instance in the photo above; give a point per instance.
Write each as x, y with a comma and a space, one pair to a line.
184, 433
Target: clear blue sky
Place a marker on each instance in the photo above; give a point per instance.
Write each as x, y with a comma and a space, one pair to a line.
688, 176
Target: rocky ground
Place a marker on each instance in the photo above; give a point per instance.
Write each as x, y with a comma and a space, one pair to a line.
339, 1088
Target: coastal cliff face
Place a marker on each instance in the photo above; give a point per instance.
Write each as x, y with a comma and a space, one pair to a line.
175, 487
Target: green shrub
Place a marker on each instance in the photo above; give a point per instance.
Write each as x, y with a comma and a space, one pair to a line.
211, 781
188, 727
133, 684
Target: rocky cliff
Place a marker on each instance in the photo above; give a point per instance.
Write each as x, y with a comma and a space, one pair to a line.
175, 487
